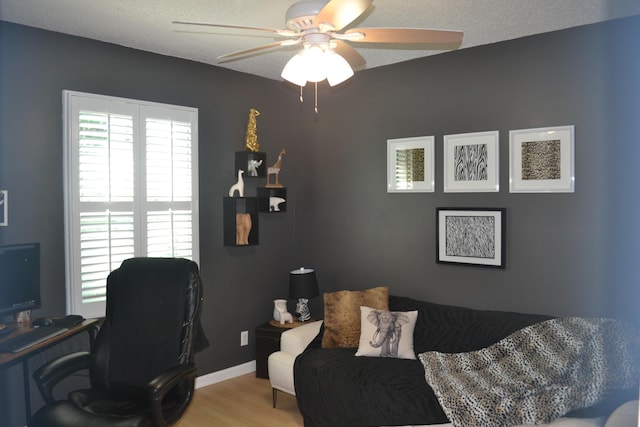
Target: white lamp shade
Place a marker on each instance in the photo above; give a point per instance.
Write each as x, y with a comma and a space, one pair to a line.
295, 71
313, 64
338, 69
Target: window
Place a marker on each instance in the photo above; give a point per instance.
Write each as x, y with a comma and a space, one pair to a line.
131, 189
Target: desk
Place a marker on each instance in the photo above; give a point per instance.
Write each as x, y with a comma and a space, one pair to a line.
10, 359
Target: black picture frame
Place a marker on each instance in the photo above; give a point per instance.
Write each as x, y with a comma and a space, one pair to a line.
471, 236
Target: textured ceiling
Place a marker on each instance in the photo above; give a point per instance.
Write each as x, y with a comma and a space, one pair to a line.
146, 24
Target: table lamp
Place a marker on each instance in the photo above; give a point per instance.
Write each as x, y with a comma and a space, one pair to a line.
302, 286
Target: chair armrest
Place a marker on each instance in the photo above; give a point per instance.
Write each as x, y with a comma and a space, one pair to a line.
181, 375
51, 373
296, 340
160, 385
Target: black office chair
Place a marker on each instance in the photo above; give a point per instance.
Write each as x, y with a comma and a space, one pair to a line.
141, 365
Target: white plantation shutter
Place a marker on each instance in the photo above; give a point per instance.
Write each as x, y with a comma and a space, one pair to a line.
130, 189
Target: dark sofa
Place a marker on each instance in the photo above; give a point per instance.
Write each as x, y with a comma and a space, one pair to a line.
334, 388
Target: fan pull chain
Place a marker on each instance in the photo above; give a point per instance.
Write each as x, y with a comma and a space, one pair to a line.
316, 103
301, 97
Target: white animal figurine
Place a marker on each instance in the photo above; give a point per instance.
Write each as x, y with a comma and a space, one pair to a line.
274, 203
280, 313
238, 185
253, 167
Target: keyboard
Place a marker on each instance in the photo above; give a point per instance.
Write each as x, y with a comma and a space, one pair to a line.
28, 339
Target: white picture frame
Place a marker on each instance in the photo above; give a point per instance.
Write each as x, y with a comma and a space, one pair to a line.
411, 165
542, 160
4, 208
472, 162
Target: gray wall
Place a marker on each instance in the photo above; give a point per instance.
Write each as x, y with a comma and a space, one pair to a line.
566, 253
239, 282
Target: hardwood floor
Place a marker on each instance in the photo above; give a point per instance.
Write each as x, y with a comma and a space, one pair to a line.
244, 401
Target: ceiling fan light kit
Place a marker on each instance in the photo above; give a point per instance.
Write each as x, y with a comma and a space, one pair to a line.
316, 62
326, 53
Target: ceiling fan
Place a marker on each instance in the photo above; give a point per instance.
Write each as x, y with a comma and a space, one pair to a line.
326, 53
317, 25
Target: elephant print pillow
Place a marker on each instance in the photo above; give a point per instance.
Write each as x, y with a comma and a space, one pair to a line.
386, 333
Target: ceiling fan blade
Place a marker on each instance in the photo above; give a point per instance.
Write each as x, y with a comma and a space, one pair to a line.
284, 33
232, 55
337, 14
404, 35
352, 56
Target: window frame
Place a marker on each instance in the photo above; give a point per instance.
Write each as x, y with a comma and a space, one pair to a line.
73, 103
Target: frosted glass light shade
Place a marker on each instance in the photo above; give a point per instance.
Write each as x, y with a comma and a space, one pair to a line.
313, 64
338, 69
294, 71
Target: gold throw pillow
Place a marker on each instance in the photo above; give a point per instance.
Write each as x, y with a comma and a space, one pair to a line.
342, 314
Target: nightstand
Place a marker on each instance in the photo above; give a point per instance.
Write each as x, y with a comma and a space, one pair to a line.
267, 342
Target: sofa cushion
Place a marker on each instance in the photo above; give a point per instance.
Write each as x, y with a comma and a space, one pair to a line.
386, 333
453, 329
342, 314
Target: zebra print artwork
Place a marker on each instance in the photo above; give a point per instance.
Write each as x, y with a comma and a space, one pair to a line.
470, 162
470, 236
541, 160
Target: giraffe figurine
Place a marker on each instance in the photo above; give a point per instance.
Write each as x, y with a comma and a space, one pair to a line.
275, 170
251, 137
238, 186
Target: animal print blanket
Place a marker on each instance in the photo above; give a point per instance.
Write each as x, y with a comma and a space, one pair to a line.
536, 374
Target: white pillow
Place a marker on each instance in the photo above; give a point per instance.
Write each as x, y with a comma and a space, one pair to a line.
386, 333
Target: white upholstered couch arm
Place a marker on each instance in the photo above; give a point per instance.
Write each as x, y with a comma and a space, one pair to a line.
295, 340
292, 343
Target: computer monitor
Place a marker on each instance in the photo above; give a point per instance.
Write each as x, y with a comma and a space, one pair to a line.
19, 278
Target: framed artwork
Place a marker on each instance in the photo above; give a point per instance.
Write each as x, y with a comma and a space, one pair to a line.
542, 160
473, 236
410, 165
4, 208
471, 162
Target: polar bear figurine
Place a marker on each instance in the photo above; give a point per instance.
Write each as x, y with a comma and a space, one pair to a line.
274, 203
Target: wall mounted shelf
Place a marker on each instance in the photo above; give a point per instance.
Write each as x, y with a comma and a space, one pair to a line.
272, 200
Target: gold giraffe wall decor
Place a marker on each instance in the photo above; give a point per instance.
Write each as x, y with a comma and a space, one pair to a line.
251, 143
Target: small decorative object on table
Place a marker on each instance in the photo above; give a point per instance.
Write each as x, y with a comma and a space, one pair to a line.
280, 313
303, 285
23, 316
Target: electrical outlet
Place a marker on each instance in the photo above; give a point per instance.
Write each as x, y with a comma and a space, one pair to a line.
244, 338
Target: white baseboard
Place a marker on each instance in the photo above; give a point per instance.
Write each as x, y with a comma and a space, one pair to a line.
225, 374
